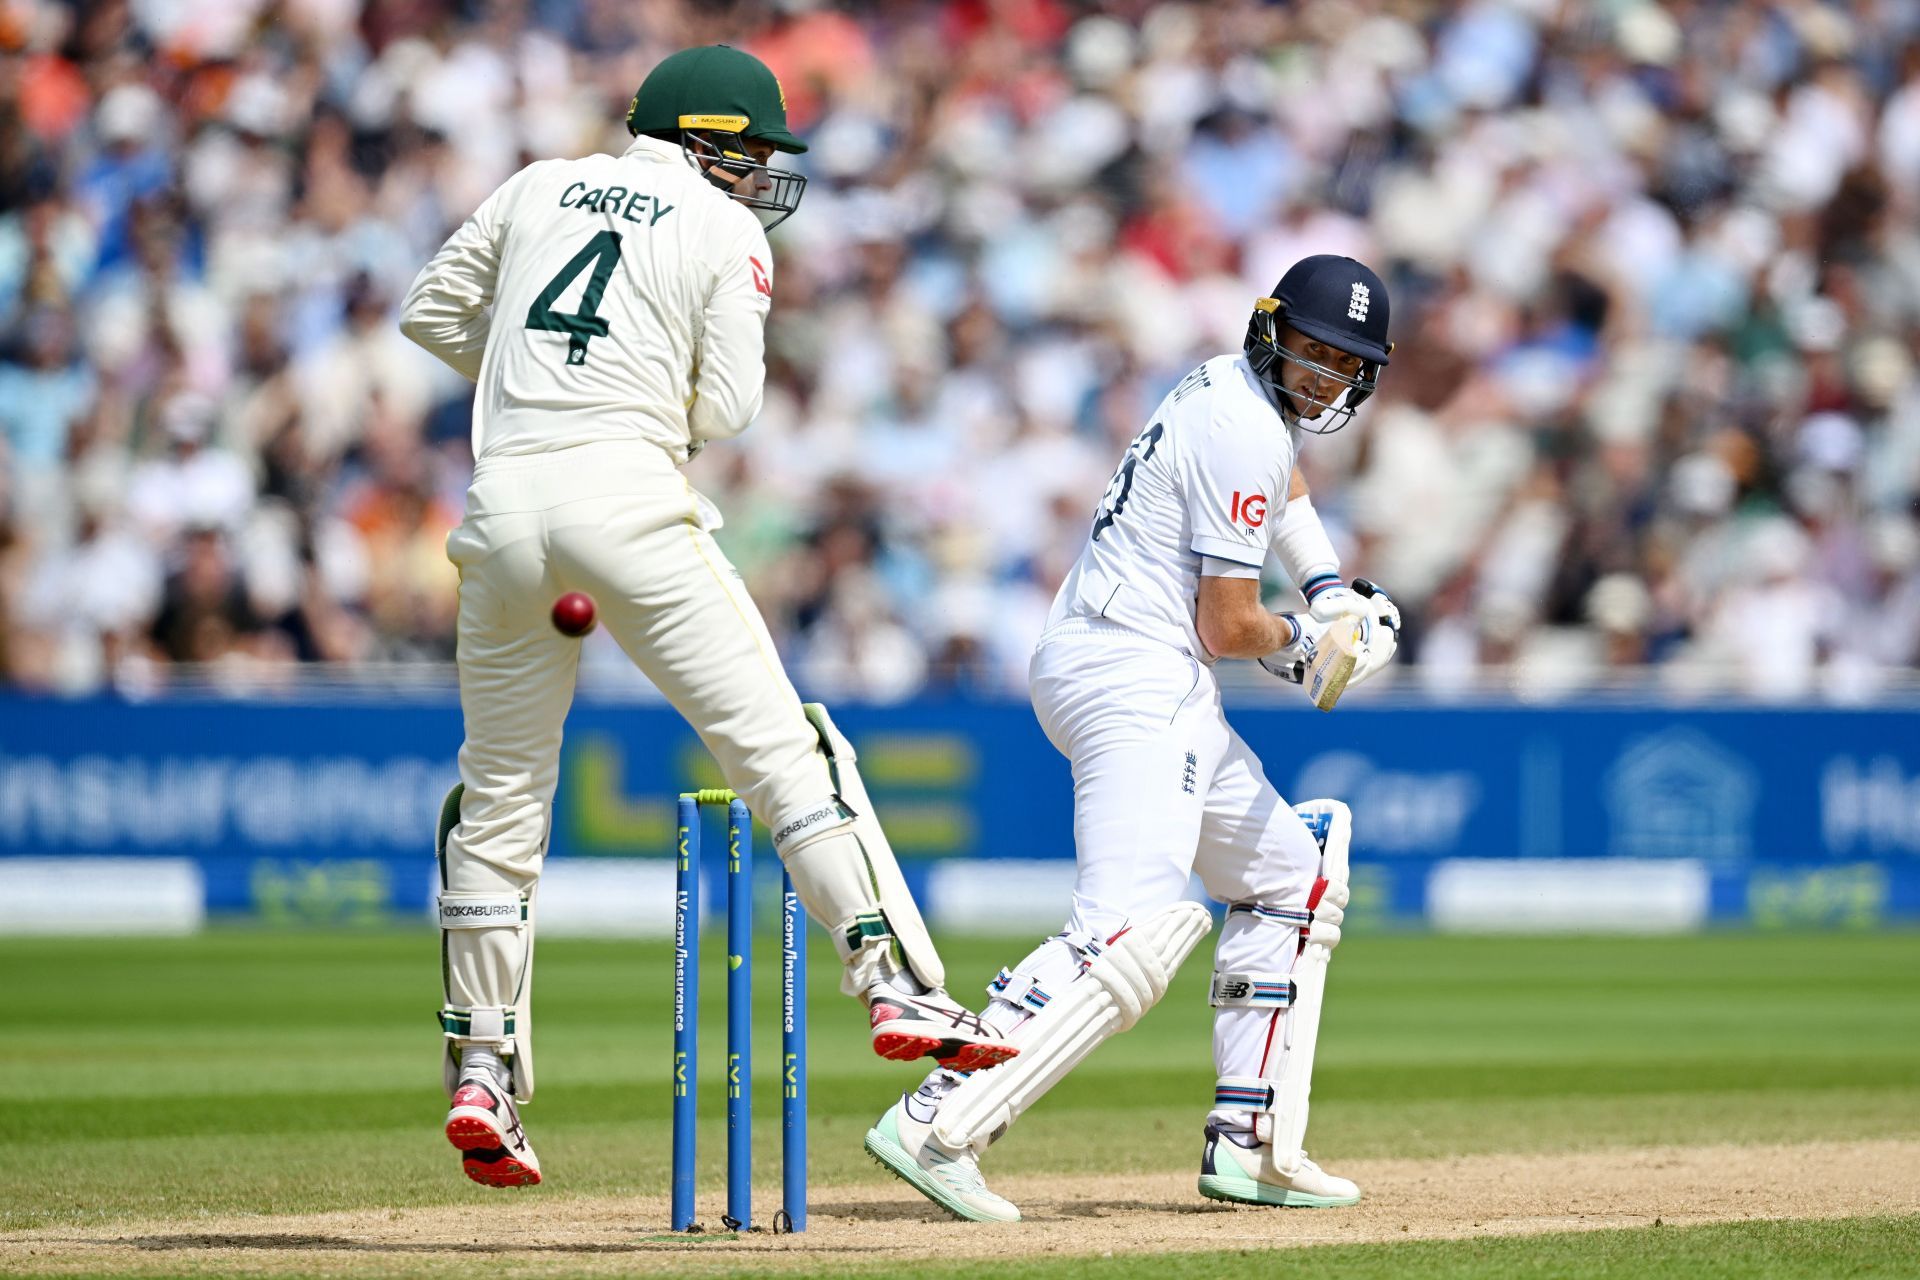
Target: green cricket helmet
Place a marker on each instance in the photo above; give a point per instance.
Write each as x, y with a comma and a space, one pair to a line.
712, 100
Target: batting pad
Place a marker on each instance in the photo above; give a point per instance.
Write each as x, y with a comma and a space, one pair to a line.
1283, 1121
1252, 990
1123, 982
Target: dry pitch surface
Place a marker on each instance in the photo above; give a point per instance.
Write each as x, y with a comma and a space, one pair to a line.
536, 1233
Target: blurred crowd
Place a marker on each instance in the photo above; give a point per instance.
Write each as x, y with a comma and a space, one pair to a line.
1652, 416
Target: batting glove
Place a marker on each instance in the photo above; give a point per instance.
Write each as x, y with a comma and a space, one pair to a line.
1290, 660
1328, 598
1382, 641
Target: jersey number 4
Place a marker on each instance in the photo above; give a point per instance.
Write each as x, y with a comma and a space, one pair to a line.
584, 325
1114, 500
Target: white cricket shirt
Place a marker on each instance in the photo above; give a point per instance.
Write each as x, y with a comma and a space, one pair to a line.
1207, 477
608, 298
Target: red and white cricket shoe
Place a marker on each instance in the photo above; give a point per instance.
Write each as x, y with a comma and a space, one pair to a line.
485, 1126
932, 1025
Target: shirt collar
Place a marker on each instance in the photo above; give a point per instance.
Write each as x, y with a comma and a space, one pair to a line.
653, 148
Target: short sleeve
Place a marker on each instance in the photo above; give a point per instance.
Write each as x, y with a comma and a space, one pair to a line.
1228, 487
1215, 567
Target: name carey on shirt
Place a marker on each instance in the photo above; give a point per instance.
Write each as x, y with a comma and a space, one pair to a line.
634, 206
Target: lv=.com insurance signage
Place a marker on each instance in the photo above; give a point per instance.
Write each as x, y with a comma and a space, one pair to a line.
325, 813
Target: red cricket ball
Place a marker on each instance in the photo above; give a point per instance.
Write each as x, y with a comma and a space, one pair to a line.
573, 614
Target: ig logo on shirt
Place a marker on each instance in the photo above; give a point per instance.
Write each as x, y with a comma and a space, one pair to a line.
1252, 509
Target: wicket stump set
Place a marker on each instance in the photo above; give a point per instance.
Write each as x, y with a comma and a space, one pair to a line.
686, 1024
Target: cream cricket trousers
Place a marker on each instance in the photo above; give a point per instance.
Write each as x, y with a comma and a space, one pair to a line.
619, 522
1163, 788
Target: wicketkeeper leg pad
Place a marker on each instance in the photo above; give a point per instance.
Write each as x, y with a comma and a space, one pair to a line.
1123, 981
486, 951
845, 872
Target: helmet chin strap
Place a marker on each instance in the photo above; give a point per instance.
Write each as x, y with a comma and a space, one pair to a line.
1290, 408
712, 154
1289, 411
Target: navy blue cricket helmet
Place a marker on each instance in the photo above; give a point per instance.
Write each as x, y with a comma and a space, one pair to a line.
1342, 303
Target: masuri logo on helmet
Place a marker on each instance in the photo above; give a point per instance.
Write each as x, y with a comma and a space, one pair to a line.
712, 100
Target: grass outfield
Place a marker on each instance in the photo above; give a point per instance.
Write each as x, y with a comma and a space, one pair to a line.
246, 1072
1744, 1251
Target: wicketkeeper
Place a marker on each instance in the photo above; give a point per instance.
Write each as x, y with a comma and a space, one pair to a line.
1123, 683
612, 310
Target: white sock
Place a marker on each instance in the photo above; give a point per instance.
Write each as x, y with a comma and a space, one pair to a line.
923, 1102
899, 976
474, 1057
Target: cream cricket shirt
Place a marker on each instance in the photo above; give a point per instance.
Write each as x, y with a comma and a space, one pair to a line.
1206, 479
612, 298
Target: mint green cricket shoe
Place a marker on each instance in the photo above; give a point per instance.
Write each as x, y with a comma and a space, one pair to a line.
951, 1179
1243, 1175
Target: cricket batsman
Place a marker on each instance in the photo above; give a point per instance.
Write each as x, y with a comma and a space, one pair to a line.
1123, 683
612, 311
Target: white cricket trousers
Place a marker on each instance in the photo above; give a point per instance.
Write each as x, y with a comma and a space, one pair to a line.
1164, 788
619, 522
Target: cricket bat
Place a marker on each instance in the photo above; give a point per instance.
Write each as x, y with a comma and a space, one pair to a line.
1334, 658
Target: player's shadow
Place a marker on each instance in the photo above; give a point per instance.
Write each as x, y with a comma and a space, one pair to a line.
910, 1210
1109, 1208
905, 1210
663, 1242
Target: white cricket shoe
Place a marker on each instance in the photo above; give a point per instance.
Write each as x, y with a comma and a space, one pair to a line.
1248, 1175
485, 1125
951, 1179
932, 1025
